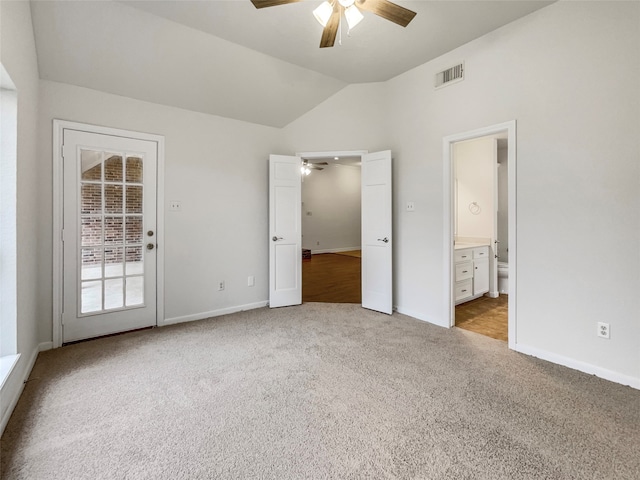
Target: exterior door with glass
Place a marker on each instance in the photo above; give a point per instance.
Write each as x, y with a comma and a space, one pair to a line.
109, 234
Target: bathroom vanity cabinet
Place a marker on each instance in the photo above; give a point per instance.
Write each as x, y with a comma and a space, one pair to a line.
471, 272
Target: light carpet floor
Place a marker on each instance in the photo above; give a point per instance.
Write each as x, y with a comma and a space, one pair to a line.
311, 392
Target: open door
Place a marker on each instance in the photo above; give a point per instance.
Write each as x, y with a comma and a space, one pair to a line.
285, 234
377, 273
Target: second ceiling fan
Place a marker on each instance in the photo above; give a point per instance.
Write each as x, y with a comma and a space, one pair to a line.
329, 14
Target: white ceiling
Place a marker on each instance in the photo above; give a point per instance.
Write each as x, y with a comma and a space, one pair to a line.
227, 58
377, 49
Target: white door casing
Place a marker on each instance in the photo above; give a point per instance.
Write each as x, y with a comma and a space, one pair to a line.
285, 231
109, 274
377, 240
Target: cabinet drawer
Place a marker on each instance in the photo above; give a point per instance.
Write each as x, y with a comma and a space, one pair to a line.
481, 252
463, 289
464, 270
462, 255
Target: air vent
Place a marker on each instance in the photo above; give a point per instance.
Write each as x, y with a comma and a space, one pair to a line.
450, 75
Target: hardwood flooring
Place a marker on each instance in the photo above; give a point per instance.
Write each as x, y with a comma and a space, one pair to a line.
332, 278
484, 315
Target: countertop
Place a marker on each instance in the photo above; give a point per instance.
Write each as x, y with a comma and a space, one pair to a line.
460, 246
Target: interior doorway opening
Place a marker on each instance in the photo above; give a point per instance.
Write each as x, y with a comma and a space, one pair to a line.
331, 227
480, 240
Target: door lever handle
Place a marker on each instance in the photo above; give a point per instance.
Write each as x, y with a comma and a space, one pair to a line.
385, 240
275, 239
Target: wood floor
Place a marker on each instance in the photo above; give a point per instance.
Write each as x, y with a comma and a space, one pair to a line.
332, 278
484, 315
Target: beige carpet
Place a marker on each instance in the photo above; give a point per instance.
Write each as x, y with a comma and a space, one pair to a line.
311, 392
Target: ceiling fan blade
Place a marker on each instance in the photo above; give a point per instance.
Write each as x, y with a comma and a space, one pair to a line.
313, 167
271, 3
386, 9
319, 163
331, 30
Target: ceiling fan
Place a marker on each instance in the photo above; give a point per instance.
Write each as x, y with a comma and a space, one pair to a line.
330, 12
307, 166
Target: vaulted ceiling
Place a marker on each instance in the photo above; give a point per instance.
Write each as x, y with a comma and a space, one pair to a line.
230, 59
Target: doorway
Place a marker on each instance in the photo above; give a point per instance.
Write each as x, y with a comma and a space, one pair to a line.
106, 187
331, 229
480, 236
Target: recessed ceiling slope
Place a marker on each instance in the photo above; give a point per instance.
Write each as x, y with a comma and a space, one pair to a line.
377, 50
111, 47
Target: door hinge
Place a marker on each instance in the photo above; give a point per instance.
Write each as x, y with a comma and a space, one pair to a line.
62, 235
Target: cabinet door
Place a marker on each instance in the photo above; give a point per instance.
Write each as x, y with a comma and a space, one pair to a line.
480, 276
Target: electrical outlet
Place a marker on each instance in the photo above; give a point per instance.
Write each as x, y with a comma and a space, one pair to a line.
221, 286
175, 205
251, 281
603, 330
411, 207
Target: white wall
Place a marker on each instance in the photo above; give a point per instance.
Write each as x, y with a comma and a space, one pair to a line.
475, 161
215, 166
331, 209
18, 57
568, 74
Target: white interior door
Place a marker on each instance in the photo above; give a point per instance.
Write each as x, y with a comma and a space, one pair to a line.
109, 234
285, 232
377, 276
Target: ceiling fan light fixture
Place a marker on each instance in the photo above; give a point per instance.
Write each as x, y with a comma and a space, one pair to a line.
353, 16
323, 13
346, 3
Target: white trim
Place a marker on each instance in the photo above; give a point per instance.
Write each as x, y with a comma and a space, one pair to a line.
584, 367
213, 313
58, 131
14, 395
448, 236
7, 364
44, 346
337, 153
335, 250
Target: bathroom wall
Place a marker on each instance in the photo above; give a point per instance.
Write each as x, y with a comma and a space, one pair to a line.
474, 170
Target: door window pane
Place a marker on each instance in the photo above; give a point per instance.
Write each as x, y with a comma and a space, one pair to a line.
134, 170
112, 167
91, 263
113, 261
135, 265
113, 233
113, 293
91, 231
91, 198
135, 290
91, 298
91, 165
113, 198
134, 229
134, 199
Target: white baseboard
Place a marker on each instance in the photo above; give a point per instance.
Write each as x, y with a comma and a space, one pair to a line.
610, 375
213, 313
15, 384
335, 250
419, 316
44, 346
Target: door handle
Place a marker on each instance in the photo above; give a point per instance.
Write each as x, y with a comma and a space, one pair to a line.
275, 239
150, 246
385, 240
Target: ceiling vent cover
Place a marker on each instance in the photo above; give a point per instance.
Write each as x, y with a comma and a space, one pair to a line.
451, 75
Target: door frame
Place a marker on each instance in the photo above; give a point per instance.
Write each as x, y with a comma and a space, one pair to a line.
449, 218
58, 269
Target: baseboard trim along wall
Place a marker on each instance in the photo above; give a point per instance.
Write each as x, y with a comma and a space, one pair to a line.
584, 367
335, 250
15, 383
213, 313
